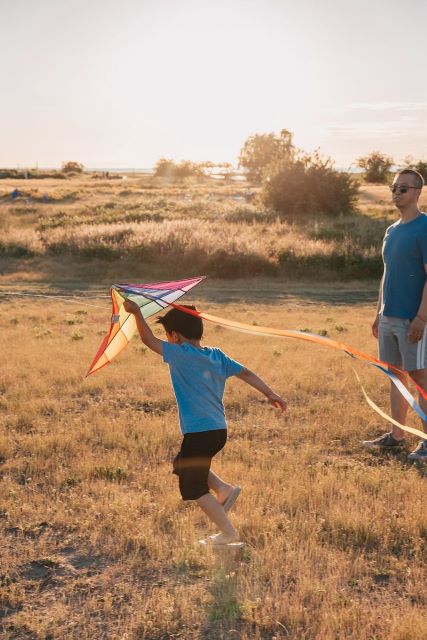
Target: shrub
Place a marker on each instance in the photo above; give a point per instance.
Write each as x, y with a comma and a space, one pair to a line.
307, 185
346, 265
238, 265
420, 166
33, 174
165, 168
111, 474
16, 250
377, 166
72, 167
261, 150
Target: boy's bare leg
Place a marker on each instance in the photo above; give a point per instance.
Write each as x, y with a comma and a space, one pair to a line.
215, 512
219, 486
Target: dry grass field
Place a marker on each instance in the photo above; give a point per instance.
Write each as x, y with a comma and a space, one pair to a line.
95, 230
95, 541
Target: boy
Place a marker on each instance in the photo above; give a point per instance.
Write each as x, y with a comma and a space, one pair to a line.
198, 376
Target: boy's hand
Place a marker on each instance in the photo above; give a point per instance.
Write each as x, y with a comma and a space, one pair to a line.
130, 306
277, 402
146, 335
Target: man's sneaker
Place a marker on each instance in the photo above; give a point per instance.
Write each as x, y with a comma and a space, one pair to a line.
385, 442
420, 453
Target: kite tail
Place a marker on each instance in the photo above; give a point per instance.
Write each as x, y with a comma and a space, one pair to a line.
386, 368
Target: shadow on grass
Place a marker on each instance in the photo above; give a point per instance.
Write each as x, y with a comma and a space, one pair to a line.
381, 458
224, 616
93, 276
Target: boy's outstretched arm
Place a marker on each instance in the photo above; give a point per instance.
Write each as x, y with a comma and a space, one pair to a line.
254, 381
147, 336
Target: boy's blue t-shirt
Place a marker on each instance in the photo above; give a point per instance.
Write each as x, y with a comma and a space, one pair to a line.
198, 377
404, 256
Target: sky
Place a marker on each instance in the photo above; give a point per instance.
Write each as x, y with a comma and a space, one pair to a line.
122, 83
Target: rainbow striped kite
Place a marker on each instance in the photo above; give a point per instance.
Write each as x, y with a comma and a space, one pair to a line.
151, 298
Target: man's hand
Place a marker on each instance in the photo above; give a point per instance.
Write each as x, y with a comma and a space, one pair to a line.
375, 327
416, 329
130, 306
277, 402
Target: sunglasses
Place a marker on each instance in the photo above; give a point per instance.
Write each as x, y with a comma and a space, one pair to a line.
404, 189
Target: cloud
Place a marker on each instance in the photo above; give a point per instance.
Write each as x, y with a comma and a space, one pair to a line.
377, 120
378, 107
370, 129
387, 106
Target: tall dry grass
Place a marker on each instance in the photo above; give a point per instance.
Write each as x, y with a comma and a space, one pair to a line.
211, 227
96, 542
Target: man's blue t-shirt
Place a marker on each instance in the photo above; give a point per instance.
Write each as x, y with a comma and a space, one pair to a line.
198, 377
404, 256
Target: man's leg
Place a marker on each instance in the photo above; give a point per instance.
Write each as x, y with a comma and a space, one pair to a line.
395, 439
420, 377
398, 405
420, 453
391, 338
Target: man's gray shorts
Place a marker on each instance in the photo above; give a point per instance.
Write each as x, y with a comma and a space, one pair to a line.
395, 348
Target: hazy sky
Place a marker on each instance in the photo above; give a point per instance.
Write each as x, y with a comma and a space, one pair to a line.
120, 83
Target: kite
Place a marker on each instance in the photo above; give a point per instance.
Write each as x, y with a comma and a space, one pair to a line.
384, 367
151, 298
157, 296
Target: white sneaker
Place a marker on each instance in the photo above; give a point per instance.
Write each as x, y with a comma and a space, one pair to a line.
221, 540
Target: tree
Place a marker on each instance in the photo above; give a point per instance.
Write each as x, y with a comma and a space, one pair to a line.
166, 168
72, 167
420, 166
376, 165
308, 185
261, 150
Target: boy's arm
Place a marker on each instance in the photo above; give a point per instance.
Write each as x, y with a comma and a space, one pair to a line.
254, 381
147, 336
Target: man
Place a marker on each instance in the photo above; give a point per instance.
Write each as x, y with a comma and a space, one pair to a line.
401, 319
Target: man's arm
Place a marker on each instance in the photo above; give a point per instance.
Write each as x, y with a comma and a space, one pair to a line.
377, 313
254, 381
147, 336
416, 328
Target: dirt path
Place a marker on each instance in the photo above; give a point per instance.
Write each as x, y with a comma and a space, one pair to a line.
220, 292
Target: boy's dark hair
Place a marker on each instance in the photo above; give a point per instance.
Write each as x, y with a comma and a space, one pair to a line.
187, 325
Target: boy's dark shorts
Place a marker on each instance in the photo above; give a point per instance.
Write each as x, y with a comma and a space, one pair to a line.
194, 459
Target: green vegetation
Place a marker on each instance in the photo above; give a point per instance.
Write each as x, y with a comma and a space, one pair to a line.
72, 167
377, 167
420, 166
31, 174
296, 183
309, 185
166, 168
260, 151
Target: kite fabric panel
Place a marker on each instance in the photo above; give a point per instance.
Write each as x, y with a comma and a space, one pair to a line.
151, 298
